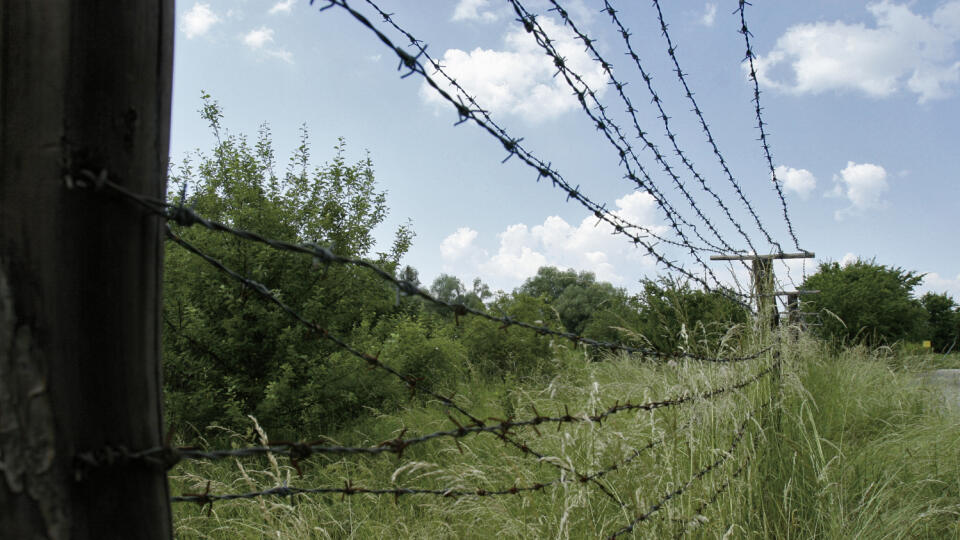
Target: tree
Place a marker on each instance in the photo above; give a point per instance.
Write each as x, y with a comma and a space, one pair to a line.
226, 352
865, 302
675, 316
943, 320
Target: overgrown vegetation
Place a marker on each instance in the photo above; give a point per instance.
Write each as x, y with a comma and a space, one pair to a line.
823, 454
228, 355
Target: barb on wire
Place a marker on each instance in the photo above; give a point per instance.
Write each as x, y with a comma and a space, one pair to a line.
671, 50
760, 123
284, 491
370, 359
473, 107
412, 382
596, 111
167, 457
186, 217
620, 87
514, 147
102, 180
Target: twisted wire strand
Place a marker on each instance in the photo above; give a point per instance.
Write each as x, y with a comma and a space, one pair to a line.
501, 134
620, 87
515, 148
167, 457
186, 217
671, 50
760, 123
596, 111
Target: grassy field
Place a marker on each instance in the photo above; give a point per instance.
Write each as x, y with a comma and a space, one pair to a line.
827, 446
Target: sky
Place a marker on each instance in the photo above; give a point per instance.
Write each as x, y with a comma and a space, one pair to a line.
861, 101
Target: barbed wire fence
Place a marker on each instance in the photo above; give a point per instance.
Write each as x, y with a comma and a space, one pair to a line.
522, 433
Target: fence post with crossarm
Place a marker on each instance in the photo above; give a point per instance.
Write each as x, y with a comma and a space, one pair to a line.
84, 86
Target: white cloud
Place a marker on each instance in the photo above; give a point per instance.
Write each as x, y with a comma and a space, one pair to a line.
848, 259
198, 20
800, 181
933, 282
709, 14
284, 6
473, 10
457, 244
863, 185
256, 39
904, 50
522, 249
519, 79
261, 40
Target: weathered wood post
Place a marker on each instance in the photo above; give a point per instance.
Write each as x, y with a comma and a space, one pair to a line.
763, 289
83, 85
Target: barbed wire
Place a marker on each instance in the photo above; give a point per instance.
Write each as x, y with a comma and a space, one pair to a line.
760, 123
568, 475
185, 216
463, 95
620, 86
167, 456
514, 147
373, 360
614, 135
671, 51
284, 491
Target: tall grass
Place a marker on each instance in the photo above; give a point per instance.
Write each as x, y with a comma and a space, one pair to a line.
849, 449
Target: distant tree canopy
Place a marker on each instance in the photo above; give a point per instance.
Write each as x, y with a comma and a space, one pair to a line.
866, 302
943, 321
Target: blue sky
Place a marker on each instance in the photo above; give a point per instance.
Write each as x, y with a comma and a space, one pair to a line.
862, 101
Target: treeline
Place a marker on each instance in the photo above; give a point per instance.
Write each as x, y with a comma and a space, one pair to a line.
875, 304
228, 354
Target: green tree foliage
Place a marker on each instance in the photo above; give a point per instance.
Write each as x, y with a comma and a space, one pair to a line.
583, 305
865, 302
676, 317
943, 320
226, 352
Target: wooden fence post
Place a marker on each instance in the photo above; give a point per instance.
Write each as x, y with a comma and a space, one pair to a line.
83, 85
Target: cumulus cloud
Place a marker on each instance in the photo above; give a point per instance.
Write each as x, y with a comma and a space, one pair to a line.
904, 50
457, 244
863, 185
800, 181
197, 20
519, 79
709, 14
523, 249
474, 10
261, 40
848, 259
283, 6
935, 283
